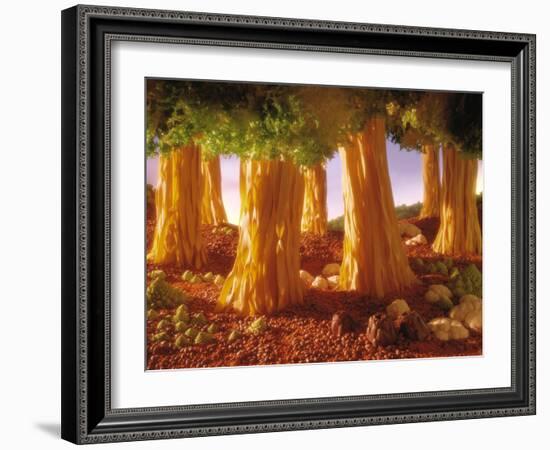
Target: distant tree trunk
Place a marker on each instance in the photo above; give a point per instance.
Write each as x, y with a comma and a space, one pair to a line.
459, 231
177, 239
314, 217
212, 209
374, 262
430, 177
265, 275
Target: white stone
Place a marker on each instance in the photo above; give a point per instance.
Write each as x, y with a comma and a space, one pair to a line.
469, 312
408, 229
331, 269
442, 290
419, 239
466, 305
437, 292
446, 329
306, 278
474, 320
319, 283
397, 308
431, 296
333, 281
472, 299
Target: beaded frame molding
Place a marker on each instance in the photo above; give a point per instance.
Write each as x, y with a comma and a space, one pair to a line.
87, 35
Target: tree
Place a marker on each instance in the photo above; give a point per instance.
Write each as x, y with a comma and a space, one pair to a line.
176, 238
265, 275
273, 135
459, 231
454, 121
431, 200
315, 215
186, 122
374, 261
409, 128
212, 209
175, 119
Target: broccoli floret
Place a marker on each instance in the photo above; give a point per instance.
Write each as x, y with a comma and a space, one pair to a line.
441, 268
161, 294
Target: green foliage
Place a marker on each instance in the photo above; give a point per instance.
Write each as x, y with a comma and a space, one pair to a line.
468, 281
305, 124
408, 211
441, 267
336, 224
418, 265
439, 118
464, 124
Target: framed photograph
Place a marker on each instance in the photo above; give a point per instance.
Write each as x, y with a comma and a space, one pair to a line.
279, 224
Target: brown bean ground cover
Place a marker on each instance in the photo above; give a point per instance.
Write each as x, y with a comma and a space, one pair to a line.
301, 334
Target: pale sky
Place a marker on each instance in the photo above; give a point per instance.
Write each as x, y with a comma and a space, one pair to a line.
405, 172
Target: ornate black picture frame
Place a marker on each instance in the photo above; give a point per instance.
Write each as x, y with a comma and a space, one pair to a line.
87, 34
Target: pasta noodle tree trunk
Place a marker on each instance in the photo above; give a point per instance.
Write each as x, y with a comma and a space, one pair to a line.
212, 209
177, 238
265, 275
430, 177
314, 217
459, 231
374, 261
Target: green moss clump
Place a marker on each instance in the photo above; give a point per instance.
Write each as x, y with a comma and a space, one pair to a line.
182, 341
454, 273
418, 265
199, 319
187, 275
204, 338
445, 304
219, 280
181, 314
180, 327
162, 336
441, 268
161, 294
208, 277
258, 326
152, 314
163, 324
191, 332
233, 335
467, 281
157, 274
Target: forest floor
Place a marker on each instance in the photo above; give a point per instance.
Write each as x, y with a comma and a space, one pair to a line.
302, 333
